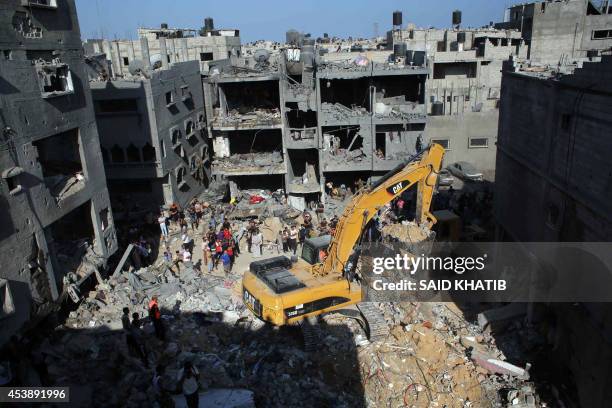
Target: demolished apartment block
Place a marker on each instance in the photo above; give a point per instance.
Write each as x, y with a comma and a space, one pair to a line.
57, 225
302, 119
553, 184
163, 46
152, 128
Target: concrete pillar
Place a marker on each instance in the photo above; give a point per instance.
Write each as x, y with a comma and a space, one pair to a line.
172, 50
106, 48
47, 264
164, 52
184, 49
117, 66
131, 53
144, 50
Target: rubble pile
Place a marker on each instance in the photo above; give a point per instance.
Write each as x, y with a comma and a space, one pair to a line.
341, 112
433, 358
407, 231
359, 64
272, 162
235, 118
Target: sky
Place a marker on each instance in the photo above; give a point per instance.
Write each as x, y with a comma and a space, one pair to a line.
270, 19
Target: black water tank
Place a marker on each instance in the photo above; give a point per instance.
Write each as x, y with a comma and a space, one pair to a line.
437, 108
325, 35
293, 37
164, 26
209, 24
399, 50
418, 58
397, 18
461, 37
456, 17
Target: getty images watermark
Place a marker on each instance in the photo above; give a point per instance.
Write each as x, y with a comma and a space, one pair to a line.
488, 272
412, 264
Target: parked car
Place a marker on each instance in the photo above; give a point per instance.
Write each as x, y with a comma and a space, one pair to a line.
465, 171
445, 178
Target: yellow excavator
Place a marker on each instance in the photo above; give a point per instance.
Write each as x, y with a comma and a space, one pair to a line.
283, 292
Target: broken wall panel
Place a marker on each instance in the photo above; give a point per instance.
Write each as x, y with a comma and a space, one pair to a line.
395, 144
347, 148
303, 170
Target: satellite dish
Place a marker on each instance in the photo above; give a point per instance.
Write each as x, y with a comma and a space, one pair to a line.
138, 67
156, 61
261, 55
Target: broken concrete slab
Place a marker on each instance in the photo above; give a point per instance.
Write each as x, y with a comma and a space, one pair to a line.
496, 366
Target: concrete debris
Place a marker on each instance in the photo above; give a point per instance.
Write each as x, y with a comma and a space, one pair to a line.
432, 356
500, 367
236, 118
269, 162
339, 112
407, 231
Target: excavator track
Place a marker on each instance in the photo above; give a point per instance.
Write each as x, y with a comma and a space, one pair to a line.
377, 327
311, 332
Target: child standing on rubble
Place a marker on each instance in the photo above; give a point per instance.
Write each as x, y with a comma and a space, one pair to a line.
227, 262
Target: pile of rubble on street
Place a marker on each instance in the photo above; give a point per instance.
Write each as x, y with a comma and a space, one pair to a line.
433, 356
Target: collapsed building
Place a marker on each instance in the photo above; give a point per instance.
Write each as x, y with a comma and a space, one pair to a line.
152, 134
553, 184
57, 225
303, 120
166, 45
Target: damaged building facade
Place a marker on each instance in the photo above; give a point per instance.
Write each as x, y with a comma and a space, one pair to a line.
303, 120
57, 225
463, 87
153, 138
553, 184
558, 32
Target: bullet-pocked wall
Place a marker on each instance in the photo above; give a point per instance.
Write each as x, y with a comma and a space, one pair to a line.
50, 158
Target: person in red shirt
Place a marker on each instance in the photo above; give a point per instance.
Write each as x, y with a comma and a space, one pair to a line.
218, 252
155, 316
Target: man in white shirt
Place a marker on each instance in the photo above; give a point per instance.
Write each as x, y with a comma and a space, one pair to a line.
162, 225
188, 377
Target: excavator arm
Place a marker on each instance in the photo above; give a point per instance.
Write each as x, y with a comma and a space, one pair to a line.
422, 169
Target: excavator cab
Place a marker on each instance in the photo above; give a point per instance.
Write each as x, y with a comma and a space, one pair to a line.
314, 249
